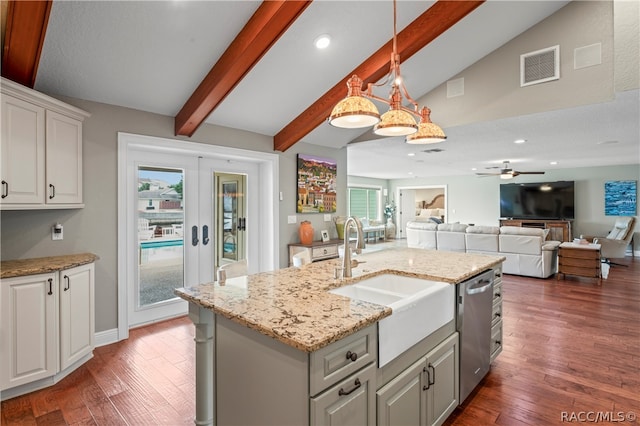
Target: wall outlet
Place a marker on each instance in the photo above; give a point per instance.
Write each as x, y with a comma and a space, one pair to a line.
57, 232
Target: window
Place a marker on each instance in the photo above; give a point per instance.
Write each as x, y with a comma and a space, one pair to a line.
364, 203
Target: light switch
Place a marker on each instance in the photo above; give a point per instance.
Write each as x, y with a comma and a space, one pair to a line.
292, 218
327, 218
56, 232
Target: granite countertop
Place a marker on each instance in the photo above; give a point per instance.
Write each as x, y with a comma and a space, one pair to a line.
43, 265
293, 305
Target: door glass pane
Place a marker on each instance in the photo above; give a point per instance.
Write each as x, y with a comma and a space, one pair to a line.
231, 217
160, 234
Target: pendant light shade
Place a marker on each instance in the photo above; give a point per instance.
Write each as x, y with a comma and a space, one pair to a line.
354, 111
428, 132
396, 122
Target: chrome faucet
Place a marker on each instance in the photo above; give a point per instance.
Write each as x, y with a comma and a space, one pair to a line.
346, 259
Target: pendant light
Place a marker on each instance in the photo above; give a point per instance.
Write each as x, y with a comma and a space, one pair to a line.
357, 111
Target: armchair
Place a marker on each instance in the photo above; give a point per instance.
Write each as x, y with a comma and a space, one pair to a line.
615, 244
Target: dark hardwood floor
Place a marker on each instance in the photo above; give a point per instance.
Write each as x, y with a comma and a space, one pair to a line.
571, 352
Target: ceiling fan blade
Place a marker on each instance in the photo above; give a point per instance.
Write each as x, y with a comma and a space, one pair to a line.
530, 173
487, 174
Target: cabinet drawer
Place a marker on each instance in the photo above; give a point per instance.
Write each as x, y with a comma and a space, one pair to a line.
496, 340
497, 292
350, 402
323, 252
336, 361
578, 253
497, 312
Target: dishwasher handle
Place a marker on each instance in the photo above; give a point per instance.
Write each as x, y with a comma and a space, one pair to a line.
479, 287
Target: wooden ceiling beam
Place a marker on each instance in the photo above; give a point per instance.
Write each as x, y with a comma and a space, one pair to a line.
424, 29
261, 32
24, 35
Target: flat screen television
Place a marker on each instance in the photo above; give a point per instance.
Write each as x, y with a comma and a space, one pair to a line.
538, 200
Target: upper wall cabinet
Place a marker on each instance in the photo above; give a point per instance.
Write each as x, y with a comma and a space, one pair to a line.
41, 151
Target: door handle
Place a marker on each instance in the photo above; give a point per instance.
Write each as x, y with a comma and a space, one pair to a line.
242, 224
194, 235
5, 189
479, 287
52, 191
205, 235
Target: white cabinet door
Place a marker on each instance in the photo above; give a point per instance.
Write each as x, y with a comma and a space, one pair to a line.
23, 152
77, 319
63, 159
28, 331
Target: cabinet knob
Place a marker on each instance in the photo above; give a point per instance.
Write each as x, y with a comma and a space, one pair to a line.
352, 356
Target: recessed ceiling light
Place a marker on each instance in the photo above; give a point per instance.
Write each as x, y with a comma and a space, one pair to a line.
322, 41
520, 141
410, 173
553, 163
607, 142
474, 168
411, 154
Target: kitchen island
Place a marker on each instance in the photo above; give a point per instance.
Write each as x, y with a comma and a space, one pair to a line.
285, 324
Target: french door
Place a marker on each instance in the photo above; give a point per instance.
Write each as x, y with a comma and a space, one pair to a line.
190, 216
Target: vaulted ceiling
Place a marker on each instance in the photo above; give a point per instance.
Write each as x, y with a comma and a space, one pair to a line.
252, 65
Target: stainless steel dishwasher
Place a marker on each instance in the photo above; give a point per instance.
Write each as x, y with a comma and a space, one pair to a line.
475, 302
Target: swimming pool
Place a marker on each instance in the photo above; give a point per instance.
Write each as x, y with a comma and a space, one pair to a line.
160, 243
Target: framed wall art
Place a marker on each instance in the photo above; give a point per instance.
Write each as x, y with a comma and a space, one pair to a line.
316, 184
620, 198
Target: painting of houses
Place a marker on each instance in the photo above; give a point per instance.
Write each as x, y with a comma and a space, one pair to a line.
316, 184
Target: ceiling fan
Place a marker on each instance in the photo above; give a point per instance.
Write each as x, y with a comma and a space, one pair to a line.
506, 172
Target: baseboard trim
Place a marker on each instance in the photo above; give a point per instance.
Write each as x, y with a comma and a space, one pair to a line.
106, 337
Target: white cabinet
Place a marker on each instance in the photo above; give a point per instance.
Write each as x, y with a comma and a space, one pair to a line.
47, 326
426, 392
28, 329
22, 152
63, 159
41, 150
77, 321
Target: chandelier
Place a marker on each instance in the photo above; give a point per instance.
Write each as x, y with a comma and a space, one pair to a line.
357, 111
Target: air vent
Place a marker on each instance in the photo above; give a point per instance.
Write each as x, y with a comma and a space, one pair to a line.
540, 66
433, 150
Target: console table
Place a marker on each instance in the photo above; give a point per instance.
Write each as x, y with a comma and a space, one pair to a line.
582, 260
318, 250
559, 230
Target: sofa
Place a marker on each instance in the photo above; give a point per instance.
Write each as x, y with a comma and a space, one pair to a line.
526, 250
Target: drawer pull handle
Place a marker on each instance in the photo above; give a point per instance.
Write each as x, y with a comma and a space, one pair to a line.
68, 282
357, 384
5, 189
352, 356
52, 190
428, 385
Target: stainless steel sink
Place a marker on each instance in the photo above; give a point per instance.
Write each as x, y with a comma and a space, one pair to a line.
419, 308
